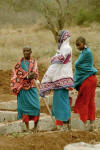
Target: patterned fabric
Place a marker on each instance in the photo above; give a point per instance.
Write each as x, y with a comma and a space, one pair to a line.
60, 59
28, 99
83, 67
63, 35
62, 56
85, 103
59, 74
19, 80
59, 84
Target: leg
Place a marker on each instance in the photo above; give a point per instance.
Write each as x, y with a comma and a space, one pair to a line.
35, 127
27, 126
85, 105
81, 104
91, 125
61, 107
66, 125
85, 125
92, 115
25, 119
69, 124
59, 124
36, 120
92, 104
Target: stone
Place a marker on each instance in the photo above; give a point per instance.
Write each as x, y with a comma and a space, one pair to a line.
76, 123
46, 123
10, 105
82, 146
8, 128
6, 116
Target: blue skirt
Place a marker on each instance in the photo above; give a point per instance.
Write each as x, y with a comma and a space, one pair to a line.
28, 103
61, 105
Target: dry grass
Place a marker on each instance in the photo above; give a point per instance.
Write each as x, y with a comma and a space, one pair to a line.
12, 40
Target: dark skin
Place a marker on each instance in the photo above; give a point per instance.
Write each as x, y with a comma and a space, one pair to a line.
31, 75
27, 54
80, 46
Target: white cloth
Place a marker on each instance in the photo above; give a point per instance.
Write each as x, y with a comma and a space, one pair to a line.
58, 70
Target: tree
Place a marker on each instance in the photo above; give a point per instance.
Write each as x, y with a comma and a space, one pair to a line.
57, 13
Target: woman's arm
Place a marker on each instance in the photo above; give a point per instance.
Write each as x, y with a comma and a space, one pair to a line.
64, 54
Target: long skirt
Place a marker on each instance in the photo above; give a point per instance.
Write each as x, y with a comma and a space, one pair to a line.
28, 105
85, 103
61, 105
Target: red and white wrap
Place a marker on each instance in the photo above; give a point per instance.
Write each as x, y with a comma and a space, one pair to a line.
59, 74
19, 77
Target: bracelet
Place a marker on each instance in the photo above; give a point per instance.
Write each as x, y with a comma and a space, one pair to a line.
27, 77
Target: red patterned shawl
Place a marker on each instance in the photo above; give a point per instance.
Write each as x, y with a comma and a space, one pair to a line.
18, 76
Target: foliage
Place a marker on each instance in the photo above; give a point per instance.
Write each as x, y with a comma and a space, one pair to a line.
57, 13
20, 5
89, 12
18, 12
81, 17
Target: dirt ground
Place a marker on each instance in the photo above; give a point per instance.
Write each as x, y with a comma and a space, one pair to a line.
47, 141
41, 140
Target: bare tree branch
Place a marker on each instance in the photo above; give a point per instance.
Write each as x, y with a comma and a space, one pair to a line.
57, 20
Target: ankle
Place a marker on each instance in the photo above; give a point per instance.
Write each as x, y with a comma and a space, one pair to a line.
91, 121
27, 125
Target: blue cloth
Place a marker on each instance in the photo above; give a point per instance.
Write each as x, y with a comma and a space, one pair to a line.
28, 100
25, 65
83, 67
61, 105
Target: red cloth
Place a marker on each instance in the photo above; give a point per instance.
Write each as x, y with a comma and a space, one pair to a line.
58, 122
85, 103
70, 100
18, 76
26, 118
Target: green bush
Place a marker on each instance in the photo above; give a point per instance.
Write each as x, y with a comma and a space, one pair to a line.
88, 15
97, 16
81, 17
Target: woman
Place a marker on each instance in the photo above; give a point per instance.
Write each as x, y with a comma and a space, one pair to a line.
85, 82
23, 85
59, 77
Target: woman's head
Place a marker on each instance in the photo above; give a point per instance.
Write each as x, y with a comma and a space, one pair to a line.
62, 36
27, 52
80, 43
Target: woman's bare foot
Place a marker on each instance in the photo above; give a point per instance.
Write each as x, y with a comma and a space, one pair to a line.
35, 129
91, 128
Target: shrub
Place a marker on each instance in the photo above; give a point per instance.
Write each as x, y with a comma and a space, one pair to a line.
81, 17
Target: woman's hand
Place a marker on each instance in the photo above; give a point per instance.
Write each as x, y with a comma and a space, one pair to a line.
31, 75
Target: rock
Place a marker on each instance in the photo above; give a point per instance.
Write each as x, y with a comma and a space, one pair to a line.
10, 105
82, 146
6, 116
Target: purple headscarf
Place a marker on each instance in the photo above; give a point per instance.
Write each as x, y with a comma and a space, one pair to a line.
63, 35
